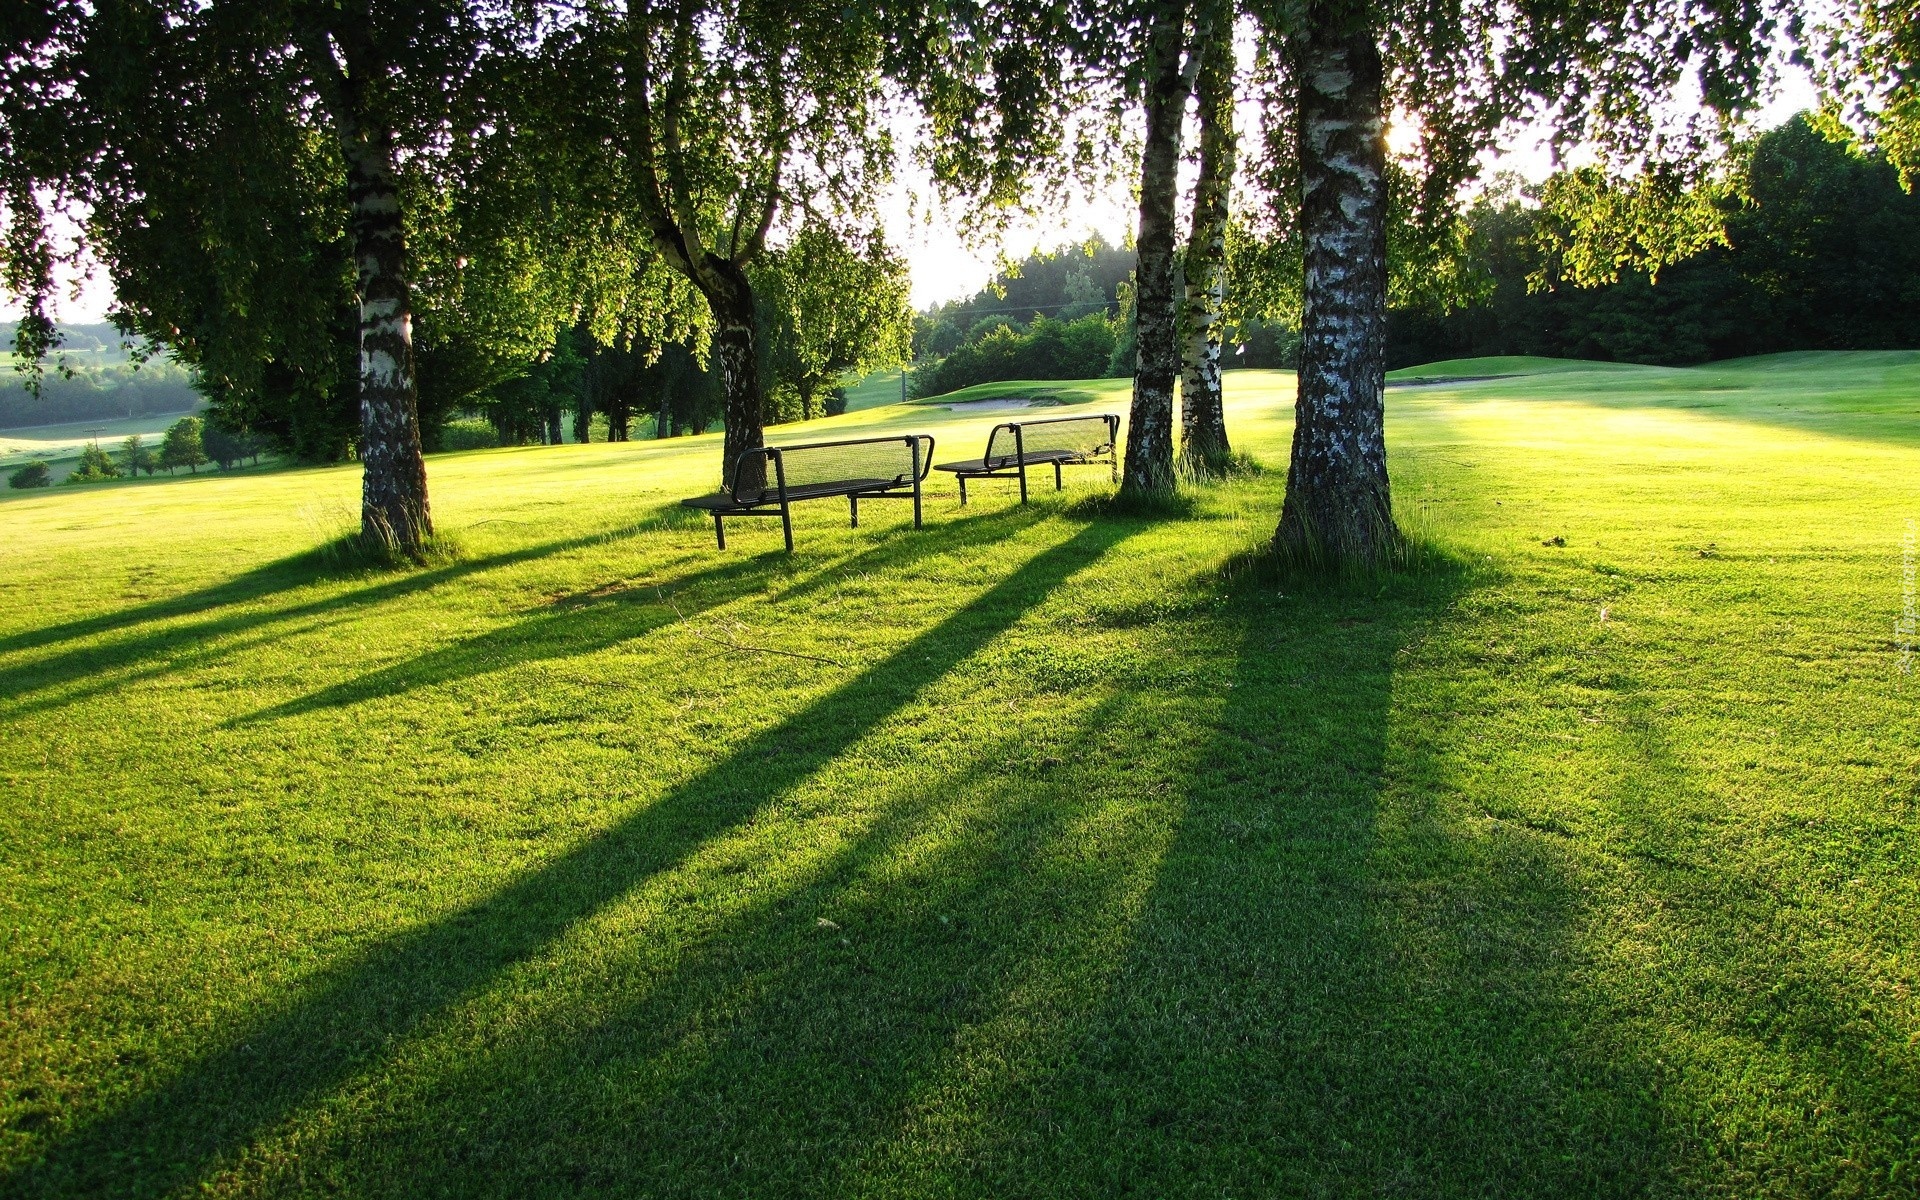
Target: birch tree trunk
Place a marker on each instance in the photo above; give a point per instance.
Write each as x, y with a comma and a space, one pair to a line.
1338, 506
393, 495
1204, 447
730, 296
1149, 461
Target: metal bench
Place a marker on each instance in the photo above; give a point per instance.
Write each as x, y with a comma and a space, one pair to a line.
768, 480
1014, 446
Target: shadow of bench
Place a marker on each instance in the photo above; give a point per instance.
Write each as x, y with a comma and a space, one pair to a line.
769, 480
1013, 446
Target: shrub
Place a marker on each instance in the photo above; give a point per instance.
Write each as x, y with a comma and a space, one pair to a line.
1045, 349
32, 475
94, 466
468, 433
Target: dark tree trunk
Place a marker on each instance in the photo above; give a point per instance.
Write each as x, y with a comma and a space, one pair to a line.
393, 497
1149, 462
619, 418
583, 419
730, 296
1338, 506
1203, 420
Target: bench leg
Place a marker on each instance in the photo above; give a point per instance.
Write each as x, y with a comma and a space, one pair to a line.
1057, 485
916, 504
853, 507
786, 526
719, 531
1023, 483
963, 491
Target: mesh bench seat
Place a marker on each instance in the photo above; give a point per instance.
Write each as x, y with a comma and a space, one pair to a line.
767, 481
1058, 442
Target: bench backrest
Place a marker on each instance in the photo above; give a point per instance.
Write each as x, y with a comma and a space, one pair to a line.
871, 462
1083, 437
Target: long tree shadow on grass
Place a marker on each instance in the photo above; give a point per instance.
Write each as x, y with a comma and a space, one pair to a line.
50, 682
251, 587
1212, 933
348, 1017
590, 624
1340, 984
1219, 936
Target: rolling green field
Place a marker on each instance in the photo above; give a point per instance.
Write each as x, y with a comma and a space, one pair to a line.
1040, 852
60, 445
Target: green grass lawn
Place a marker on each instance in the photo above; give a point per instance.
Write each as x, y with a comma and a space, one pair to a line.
1040, 852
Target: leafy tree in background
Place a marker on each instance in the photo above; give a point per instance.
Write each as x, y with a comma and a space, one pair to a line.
710, 121
1067, 282
1044, 349
832, 307
1806, 245
225, 447
136, 458
183, 446
529, 406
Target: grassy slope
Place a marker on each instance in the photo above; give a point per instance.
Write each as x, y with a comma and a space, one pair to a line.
1499, 366
874, 391
1086, 863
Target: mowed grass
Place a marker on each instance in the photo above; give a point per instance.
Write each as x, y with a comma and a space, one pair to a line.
1040, 852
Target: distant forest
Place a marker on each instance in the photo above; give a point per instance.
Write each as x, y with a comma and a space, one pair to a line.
1821, 252
93, 377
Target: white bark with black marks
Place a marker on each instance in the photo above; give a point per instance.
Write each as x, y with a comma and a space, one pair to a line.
1149, 461
1203, 445
1338, 506
393, 492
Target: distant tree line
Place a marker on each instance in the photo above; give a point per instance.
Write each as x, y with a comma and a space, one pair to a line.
1816, 248
189, 442
94, 378
1066, 313
1809, 245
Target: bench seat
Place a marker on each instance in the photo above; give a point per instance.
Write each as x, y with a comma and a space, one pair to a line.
1055, 442
859, 469
770, 498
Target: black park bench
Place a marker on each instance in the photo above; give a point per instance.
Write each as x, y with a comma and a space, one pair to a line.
1054, 441
767, 481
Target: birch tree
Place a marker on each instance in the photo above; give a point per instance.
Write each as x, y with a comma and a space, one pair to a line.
1204, 447
1166, 85
267, 138
1604, 73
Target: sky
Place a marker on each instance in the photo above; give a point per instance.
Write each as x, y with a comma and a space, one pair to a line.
946, 266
